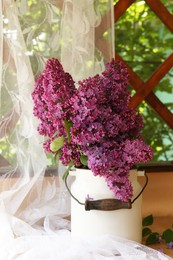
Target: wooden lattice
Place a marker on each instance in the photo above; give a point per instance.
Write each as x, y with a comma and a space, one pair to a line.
144, 90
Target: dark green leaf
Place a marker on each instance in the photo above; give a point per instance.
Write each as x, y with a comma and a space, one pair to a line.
147, 221
152, 238
168, 235
146, 232
84, 160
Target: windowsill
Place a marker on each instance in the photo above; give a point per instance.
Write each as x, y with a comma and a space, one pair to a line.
53, 171
157, 167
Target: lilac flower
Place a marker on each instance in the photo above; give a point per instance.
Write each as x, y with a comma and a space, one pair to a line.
170, 245
70, 152
160, 250
102, 125
51, 95
89, 198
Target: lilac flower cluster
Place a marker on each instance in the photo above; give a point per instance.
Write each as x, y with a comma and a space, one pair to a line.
103, 126
51, 94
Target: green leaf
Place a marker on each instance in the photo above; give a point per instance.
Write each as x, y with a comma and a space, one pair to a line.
146, 232
152, 238
56, 156
84, 160
68, 169
147, 221
67, 128
57, 144
168, 235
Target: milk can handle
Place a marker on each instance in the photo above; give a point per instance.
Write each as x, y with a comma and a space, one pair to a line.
107, 204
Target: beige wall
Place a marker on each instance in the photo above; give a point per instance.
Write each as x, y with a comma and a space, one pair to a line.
158, 196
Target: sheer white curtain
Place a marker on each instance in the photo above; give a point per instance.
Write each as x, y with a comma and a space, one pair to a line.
82, 29
26, 196
34, 208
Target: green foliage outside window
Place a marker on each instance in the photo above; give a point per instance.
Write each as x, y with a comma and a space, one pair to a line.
144, 42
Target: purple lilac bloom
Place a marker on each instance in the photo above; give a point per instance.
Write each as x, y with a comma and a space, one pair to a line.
103, 126
51, 95
107, 129
70, 152
160, 250
170, 245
